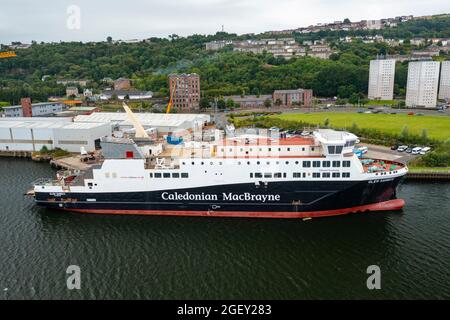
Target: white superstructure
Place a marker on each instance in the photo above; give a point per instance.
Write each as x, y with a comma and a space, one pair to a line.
381, 79
422, 85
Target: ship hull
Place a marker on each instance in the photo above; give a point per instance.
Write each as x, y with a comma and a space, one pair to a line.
294, 199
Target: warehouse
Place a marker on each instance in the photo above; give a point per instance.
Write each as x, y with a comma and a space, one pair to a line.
32, 136
162, 122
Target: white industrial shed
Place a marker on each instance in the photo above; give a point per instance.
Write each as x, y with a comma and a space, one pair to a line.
32, 136
164, 123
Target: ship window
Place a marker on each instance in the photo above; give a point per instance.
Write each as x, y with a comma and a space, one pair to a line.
288, 149
184, 175
248, 162
297, 175
175, 175
279, 149
151, 175
277, 175
303, 149
251, 174
202, 163
270, 149
316, 164
193, 163
166, 175
339, 149
331, 149
107, 175
336, 164
267, 175
306, 164
304, 175
325, 175
287, 162
312, 149
257, 162
326, 164
345, 174
258, 175
284, 174
316, 174
158, 175
336, 174
346, 164
296, 162
89, 184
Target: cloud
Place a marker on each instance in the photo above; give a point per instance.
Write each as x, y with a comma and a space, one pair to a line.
45, 20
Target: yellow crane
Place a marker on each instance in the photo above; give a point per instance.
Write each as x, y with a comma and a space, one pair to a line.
169, 105
7, 54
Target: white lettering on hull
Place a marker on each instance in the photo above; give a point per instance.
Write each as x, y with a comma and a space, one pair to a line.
225, 197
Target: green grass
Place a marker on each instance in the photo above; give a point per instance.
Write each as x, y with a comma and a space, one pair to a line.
438, 127
428, 170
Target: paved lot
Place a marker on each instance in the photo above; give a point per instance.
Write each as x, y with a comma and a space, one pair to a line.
386, 153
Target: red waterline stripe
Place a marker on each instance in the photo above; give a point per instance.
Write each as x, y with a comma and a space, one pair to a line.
396, 204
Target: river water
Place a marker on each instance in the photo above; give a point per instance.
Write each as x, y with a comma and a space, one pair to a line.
138, 257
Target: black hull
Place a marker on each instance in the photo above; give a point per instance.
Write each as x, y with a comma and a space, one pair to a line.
291, 199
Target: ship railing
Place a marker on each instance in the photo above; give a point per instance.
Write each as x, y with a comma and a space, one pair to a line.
46, 182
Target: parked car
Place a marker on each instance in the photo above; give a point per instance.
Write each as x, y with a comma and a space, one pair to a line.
394, 147
363, 149
416, 150
424, 150
409, 150
402, 148
410, 113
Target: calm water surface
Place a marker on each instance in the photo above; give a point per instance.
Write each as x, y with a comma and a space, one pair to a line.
136, 257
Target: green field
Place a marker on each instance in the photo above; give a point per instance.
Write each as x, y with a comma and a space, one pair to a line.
438, 127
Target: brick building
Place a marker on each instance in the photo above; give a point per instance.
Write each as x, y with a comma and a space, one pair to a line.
185, 91
299, 97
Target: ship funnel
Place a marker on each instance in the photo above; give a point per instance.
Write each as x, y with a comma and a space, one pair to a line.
140, 131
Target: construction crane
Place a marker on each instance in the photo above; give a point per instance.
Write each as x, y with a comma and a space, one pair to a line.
169, 105
7, 54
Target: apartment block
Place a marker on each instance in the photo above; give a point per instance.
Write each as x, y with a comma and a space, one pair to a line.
444, 87
300, 97
422, 85
381, 79
185, 91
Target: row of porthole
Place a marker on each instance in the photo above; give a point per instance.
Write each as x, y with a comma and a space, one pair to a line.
306, 164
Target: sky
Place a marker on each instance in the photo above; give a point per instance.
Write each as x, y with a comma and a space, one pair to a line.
95, 20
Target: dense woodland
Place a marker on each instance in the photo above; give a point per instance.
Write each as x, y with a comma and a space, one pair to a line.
224, 72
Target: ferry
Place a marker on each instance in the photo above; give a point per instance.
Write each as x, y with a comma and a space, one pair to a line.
248, 175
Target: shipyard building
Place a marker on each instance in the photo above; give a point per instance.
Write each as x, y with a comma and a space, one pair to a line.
31, 135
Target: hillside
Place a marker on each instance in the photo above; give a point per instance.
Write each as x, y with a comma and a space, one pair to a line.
222, 73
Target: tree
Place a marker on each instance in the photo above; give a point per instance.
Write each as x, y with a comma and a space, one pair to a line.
230, 103
267, 103
354, 99
205, 103
326, 123
347, 21
278, 102
109, 39
221, 104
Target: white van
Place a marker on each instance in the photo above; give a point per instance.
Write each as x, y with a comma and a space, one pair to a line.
416, 150
424, 150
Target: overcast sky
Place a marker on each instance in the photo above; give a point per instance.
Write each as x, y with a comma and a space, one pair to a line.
46, 20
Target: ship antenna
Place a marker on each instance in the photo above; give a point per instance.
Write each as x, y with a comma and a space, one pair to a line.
140, 131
